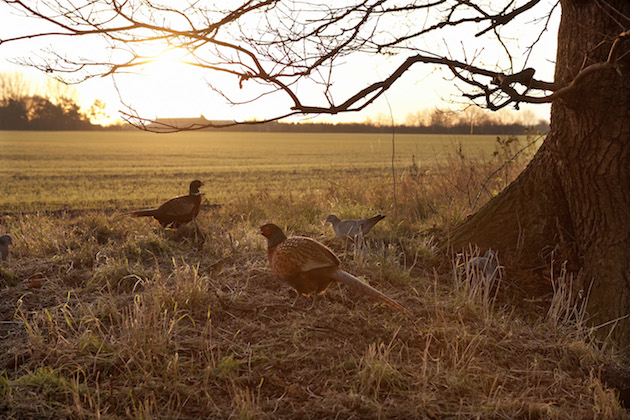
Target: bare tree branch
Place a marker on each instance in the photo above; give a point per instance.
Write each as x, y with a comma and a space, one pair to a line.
280, 45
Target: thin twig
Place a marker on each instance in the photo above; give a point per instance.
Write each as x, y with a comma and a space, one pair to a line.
483, 185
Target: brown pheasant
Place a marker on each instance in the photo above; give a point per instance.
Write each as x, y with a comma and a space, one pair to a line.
310, 267
176, 211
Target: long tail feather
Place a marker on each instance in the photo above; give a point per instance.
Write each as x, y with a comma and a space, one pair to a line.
362, 287
143, 213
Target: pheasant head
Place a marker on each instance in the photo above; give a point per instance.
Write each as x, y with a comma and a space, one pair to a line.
273, 234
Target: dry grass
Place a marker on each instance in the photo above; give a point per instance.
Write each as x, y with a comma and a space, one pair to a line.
132, 321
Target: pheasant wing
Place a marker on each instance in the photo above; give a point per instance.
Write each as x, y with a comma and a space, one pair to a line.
306, 254
177, 207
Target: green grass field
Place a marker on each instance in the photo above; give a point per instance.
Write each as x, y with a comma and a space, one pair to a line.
52, 170
105, 316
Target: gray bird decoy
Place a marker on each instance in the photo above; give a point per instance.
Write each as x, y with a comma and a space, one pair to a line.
488, 265
5, 241
351, 228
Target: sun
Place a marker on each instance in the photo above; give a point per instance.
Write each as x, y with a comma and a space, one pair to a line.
166, 84
166, 64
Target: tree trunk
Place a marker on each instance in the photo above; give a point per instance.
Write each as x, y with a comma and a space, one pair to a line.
575, 194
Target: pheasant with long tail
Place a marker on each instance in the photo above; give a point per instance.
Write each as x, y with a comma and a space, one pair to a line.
176, 211
310, 267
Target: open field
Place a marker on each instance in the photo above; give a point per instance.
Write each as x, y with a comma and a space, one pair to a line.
109, 317
52, 170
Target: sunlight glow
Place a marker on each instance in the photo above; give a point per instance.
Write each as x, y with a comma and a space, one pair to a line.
167, 63
165, 86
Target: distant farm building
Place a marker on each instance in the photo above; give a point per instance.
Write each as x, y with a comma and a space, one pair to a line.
172, 124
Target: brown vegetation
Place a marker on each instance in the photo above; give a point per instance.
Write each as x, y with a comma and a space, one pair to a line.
114, 317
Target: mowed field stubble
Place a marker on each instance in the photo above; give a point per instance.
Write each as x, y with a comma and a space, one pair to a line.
52, 170
109, 316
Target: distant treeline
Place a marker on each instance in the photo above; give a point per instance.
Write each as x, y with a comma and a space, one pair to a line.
472, 120
41, 113
433, 121
366, 127
45, 106
55, 107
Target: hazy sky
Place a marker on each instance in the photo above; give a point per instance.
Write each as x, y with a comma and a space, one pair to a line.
167, 88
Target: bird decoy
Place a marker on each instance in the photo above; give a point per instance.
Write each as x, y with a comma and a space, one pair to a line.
5, 241
351, 228
310, 267
488, 265
176, 211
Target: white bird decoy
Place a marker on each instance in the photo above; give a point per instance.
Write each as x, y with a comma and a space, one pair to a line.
488, 265
351, 228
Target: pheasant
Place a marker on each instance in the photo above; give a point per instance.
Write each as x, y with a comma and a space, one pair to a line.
176, 211
310, 267
351, 228
5, 241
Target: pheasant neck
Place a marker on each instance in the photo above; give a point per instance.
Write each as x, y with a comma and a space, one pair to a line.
275, 239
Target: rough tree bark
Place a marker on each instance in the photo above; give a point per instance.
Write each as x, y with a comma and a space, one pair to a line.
575, 194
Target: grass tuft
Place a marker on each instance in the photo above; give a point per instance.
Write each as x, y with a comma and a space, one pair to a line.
378, 375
